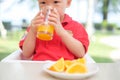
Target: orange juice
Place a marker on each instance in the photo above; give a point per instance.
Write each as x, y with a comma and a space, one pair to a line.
45, 32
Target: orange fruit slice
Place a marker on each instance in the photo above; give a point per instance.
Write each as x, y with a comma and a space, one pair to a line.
76, 68
68, 63
81, 60
58, 66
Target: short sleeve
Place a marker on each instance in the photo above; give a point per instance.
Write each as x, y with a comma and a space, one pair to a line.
81, 35
23, 38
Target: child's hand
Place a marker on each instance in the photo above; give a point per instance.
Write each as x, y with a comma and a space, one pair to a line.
37, 20
54, 19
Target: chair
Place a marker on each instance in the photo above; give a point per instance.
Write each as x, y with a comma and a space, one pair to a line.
17, 56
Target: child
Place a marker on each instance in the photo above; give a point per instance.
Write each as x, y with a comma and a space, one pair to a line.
70, 39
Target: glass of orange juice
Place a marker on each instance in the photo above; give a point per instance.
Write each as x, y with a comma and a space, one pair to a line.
45, 31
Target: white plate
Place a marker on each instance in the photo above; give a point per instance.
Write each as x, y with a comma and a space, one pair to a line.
92, 69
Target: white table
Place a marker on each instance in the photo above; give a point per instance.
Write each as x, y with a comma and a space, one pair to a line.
33, 70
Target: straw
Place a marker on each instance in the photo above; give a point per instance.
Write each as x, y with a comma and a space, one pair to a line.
47, 15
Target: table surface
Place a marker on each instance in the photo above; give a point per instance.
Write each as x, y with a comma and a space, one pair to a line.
33, 70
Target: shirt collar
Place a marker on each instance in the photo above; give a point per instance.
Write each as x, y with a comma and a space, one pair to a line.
66, 20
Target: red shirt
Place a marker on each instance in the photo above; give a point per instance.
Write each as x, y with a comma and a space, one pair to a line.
55, 48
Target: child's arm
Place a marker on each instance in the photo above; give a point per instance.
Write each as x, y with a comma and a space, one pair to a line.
29, 44
75, 46
71, 43
30, 41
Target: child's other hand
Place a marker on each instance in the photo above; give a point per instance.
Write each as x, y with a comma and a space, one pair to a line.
54, 19
37, 20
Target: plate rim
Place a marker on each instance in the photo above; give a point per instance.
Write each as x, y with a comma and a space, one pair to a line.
70, 76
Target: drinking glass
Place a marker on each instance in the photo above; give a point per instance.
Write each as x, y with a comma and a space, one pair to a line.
45, 31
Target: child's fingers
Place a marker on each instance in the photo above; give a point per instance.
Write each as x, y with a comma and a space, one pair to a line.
55, 11
39, 18
36, 22
39, 13
54, 17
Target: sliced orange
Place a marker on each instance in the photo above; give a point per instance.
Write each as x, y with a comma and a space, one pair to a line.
67, 63
81, 60
58, 66
76, 68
